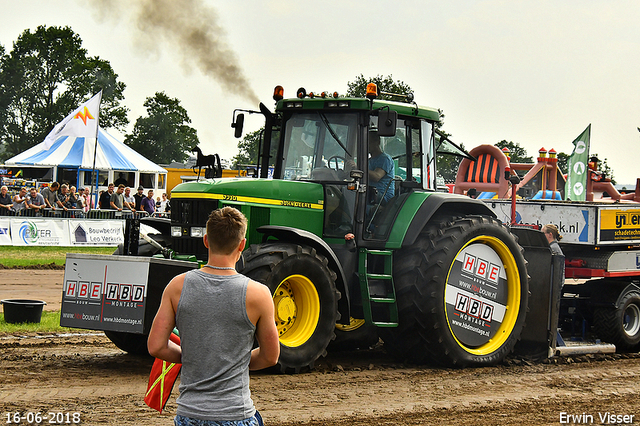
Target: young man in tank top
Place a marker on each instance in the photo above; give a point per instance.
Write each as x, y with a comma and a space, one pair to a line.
217, 312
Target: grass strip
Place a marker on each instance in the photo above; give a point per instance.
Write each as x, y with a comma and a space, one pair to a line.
50, 323
31, 256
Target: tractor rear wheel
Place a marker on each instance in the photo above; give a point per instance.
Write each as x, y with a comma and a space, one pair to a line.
305, 299
462, 294
621, 325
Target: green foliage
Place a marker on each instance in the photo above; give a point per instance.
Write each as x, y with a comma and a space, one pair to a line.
603, 167
358, 87
447, 166
563, 162
248, 149
164, 135
518, 154
46, 76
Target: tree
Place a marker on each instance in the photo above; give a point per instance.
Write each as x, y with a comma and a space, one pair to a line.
448, 166
517, 153
46, 76
563, 162
248, 149
605, 169
358, 87
164, 135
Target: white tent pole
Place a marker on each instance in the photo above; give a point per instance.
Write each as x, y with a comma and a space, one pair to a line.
95, 151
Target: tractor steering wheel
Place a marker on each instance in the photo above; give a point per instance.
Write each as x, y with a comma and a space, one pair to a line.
336, 158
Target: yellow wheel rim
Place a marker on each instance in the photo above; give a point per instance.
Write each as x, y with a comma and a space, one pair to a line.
353, 325
513, 299
297, 308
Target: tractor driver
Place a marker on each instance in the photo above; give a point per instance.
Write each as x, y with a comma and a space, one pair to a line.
381, 169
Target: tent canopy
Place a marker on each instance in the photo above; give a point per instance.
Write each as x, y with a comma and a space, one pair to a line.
72, 152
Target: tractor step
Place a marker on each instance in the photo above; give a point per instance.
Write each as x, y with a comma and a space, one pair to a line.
378, 291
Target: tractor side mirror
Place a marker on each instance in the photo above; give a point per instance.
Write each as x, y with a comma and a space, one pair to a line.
387, 120
238, 125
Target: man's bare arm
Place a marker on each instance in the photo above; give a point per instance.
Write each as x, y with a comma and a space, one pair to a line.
260, 305
158, 342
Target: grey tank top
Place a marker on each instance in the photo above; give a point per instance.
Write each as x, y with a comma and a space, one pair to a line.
216, 336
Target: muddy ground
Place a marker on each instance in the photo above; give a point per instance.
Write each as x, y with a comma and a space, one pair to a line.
88, 375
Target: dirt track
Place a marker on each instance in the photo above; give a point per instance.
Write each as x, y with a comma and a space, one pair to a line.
87, 374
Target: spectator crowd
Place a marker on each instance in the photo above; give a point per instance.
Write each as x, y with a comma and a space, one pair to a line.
63, 200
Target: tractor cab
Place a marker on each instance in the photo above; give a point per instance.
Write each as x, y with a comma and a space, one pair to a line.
367, 154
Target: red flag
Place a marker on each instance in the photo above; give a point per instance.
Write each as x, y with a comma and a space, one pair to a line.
161, 380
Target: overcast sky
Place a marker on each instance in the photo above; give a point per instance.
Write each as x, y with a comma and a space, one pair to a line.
532, 72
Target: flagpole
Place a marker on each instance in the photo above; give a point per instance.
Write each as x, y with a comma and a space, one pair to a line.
95, 151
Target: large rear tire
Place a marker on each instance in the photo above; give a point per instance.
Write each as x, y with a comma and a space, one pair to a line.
305, 299
621, 325
462, 294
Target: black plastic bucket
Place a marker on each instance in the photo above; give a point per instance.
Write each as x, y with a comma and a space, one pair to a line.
22, 310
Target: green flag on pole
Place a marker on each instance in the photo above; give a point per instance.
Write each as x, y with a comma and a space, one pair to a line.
576, 189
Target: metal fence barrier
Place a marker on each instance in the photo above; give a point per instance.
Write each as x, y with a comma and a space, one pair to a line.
80, 214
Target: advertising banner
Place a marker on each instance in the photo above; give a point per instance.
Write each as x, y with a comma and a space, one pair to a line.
39, 232
576, 223
96, 232
104, 294
5, 233
115, 293
619, 224
577, 179
475, 295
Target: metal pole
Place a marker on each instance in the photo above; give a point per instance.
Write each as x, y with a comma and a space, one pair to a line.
95, 151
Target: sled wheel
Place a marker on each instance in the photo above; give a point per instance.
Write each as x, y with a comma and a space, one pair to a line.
304, 296
462, 292
135, 344
355, 335
620, 326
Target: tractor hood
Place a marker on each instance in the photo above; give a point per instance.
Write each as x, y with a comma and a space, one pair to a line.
269, 192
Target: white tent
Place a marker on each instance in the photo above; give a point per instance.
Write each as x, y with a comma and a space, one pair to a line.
112, 158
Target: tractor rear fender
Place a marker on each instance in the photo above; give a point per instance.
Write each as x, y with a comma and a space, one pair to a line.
299, 236
439, 204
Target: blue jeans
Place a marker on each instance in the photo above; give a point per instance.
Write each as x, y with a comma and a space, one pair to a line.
256, 420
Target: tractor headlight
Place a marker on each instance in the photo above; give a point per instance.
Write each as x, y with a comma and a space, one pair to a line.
197, 232
176, 231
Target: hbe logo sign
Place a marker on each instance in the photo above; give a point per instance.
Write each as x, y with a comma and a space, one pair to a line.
84, 290
481, 268
115, 292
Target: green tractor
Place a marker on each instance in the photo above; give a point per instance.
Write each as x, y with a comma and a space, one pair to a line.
346, 249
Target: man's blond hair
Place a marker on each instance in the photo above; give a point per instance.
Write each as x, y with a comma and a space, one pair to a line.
226, 228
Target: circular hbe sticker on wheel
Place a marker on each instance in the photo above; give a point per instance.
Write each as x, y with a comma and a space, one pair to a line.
476, 295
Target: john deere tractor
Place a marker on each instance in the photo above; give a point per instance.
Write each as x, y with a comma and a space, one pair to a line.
344, 249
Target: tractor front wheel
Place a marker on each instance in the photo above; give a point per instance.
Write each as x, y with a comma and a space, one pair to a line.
304, 296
